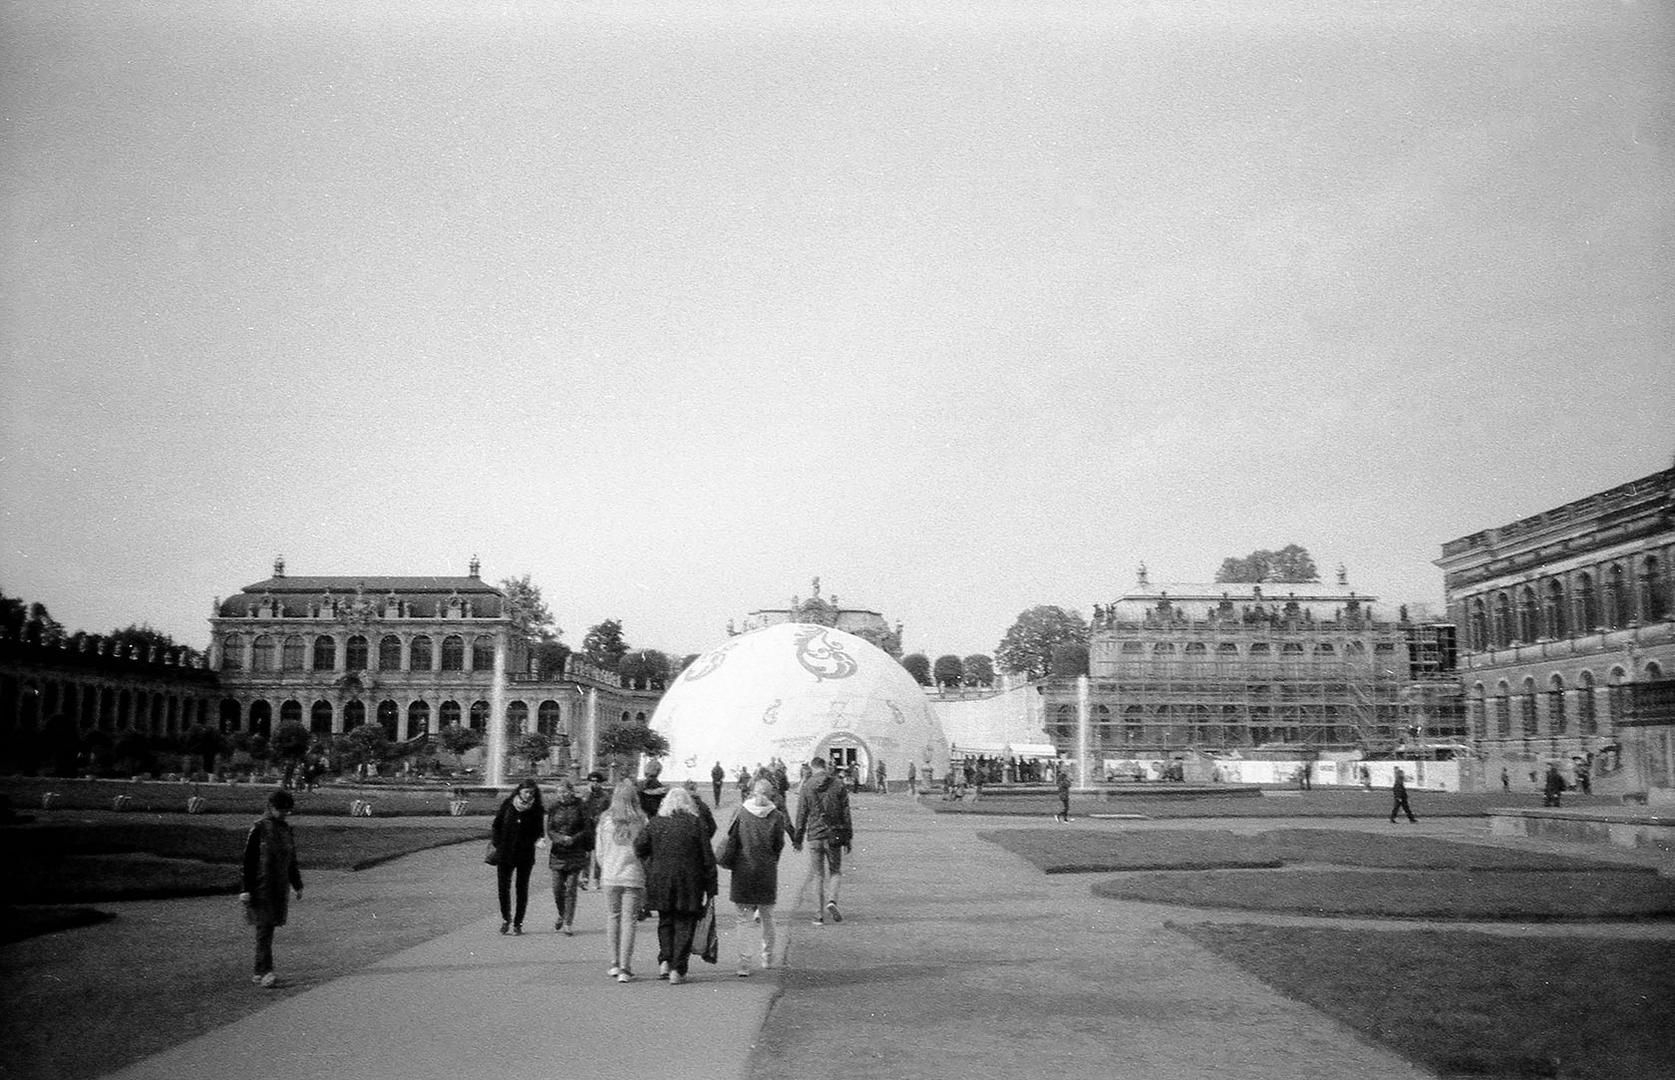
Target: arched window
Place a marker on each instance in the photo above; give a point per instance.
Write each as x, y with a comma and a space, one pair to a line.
295, 650
449, 714
1133, 724
389, 653
325, 653
262, 655
479, 709
1587, 604
1526, 709
1260, 654
482, 653
1195, 655
639, 718
453, 654
320, 718
261, 718
517, 718
290, 712
1476, 719
1503, 710
1616, 597
1654, 604
355, 654
1554, 609
1528, 615
1556, 720
418, 718
354, 715
1477, 626
389, 713
1587, 708
1654, 671
1502, 621
1066, 720
1325, 654
1227, 658
549, 718
232, 653
420, 659
1291, 658
231, 715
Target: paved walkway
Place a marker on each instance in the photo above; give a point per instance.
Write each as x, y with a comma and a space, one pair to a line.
955, 959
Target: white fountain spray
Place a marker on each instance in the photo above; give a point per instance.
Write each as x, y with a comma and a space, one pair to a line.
497, 717
1083, 778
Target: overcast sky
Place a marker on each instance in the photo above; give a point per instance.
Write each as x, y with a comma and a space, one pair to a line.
964, 308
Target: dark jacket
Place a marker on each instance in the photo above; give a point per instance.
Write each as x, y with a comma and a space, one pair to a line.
570, 831
761, 840
515, 832
680, 867
652, 789
823, 811
270, 867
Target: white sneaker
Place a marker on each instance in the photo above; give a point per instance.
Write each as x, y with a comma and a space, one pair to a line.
663, 969
269, 981
625, 976
612, 972
767, 959
676, 978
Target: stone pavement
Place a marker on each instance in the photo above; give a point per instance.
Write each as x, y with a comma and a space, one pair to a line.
955, 958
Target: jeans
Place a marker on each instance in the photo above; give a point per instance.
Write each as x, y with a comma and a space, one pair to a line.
503, 874
565, 883
622, 908
744, 914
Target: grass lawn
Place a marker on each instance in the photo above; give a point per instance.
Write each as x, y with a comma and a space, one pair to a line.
1471, 1004
1063, 850
1318, 803
122, 859
19, 923
1524, 896
243, 800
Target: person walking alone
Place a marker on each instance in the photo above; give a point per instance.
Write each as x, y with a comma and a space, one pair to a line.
823, 823
752, 846
270, 868
622, 876
1063, 784
680, 879
1398, 789
718, 776
518, 825
569, 850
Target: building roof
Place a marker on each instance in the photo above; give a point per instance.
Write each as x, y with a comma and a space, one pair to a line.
421, 597
371, 584
1264, 591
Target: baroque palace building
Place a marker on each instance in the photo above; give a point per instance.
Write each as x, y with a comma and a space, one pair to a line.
1296, 668
413, 654
1569, 649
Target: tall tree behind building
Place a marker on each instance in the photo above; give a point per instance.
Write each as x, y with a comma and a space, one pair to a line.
1290, 563
1027, 648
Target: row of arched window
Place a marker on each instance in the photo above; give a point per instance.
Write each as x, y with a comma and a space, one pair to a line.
323, 717
1553, 708
1211, 726
1559, 607
325, 652
1227, 656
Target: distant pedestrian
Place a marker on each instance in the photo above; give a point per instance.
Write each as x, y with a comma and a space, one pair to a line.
745, 782
598, 799
518, 825
569, 850
823, 823
622, 876
1584, 777
680, 879
652, 788
718, 776
270, 868
912, 779
1506, 780
1398, 789
1552, 788
883, 786
755, 839
1063, 784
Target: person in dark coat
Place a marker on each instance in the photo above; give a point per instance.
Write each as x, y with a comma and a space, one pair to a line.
718, 776
756, 838
598, 799
1398, 789
569, 851
518, 825
1063, 783
270, 867
680, 878
706, 816
1552, 788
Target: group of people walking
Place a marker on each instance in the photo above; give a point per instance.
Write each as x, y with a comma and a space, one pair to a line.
650, 848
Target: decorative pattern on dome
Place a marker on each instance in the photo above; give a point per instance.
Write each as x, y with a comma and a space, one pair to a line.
895, 713
707, 663
822, 657
770, 715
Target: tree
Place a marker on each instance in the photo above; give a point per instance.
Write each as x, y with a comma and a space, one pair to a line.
530, 615
551, 656
368, 744
644, 669
460, 740
628, 740
949, 670
1290, 563
1070, 660
133, 754
533, 747
290, 746
1027, 648
604, 645
205, 743
918, 665
29, 622
979, 670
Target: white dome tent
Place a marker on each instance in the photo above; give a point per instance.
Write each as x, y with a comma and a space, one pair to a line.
797, 691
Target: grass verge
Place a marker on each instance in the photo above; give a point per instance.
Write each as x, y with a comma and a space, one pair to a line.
1472, 1004
1525, 896
1318, 803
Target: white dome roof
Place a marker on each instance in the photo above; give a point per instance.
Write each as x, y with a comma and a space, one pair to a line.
796, 691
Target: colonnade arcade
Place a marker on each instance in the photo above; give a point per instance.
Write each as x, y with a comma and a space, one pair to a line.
1553, 707
92, 702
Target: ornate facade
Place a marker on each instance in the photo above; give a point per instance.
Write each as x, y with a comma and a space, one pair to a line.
1303, 667
867, 625
1569, 647
413, 654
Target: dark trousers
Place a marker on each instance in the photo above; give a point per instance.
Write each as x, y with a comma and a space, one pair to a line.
503, 875
717, 786
565, 882
1401, 807
264, 946
674, 938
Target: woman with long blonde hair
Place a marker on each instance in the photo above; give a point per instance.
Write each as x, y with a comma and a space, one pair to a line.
621, 875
